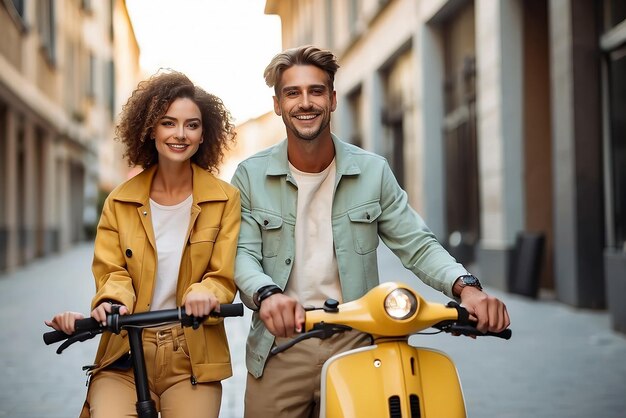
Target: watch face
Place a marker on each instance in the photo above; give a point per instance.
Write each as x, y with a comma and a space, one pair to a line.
470, 280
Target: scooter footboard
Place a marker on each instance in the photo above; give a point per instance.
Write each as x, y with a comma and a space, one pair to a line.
391, 379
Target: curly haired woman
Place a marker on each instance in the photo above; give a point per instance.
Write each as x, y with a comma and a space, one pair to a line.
166, 238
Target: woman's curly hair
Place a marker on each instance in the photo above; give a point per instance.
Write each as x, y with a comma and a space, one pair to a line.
147, 105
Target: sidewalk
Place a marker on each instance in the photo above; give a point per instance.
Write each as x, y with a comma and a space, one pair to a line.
561, 362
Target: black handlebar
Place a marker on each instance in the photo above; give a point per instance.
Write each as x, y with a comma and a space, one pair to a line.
88, 328
464, 326
471, 330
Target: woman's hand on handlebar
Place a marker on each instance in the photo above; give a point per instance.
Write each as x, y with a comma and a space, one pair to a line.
64, 321
101, 311
200, 304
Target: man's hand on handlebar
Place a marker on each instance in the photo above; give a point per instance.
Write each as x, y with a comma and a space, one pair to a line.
489, 312
64, 321
282, 315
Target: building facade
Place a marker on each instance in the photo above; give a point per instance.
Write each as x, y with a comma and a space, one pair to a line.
504, 121
62, 66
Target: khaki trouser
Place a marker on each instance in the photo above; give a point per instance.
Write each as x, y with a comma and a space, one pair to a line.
290, 385
112, 392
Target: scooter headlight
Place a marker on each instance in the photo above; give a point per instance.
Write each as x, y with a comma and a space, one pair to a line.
400, 304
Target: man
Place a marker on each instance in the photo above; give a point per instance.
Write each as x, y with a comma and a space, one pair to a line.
313, 209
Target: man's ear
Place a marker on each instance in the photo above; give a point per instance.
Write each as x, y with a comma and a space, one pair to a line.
277, 106
333, 101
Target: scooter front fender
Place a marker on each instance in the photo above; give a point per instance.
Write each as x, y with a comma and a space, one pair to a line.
391, 379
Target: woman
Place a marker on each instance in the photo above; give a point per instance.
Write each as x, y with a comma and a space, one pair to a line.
167, 237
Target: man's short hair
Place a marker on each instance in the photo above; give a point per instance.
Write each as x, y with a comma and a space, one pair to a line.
302, 55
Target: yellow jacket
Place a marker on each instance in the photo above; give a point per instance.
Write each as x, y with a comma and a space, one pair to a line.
125, 261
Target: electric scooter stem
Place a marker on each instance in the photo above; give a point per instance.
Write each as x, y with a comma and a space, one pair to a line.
146, 407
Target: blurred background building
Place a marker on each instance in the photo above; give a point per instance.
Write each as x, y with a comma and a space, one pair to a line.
505, 121
64, 65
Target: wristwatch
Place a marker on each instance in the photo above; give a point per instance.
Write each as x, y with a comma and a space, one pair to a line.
469, 280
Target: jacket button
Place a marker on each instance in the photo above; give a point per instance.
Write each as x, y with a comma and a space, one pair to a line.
367, 215
288, 261
129, 252
266, 222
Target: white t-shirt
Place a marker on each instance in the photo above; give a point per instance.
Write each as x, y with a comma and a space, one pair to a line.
170, 225
314, 275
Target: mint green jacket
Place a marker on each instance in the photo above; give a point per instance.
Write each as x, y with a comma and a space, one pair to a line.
368, 204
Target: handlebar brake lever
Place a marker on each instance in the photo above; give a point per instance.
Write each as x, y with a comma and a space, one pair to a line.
192, 321
470, 330
83, 336
281, 348
326, 330
321, 330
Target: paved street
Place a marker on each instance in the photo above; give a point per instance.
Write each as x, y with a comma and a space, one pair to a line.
561, 362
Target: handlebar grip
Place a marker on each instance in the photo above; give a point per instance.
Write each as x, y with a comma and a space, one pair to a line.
54, 337
86, 324
229, 309
471, 330
506, 334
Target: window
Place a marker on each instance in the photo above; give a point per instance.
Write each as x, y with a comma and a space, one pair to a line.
109, 87
86, 5
614, 13
16, 9
353, 16
45, 27
90, 79
330, 39
19, 7
355, 105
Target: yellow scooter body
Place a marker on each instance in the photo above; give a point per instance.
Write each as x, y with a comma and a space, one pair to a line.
391, 379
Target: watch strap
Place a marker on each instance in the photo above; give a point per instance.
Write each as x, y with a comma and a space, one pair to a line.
265, 292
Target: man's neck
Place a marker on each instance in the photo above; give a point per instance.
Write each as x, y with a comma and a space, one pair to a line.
311, 156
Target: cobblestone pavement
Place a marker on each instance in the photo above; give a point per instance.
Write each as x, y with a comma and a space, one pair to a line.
561, 362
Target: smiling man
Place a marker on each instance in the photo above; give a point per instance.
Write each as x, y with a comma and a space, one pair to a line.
313, 208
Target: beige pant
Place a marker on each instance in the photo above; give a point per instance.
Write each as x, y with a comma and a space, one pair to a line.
290, 385
112, 393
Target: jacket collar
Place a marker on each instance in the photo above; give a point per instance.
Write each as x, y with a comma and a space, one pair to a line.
346, 164
206, 187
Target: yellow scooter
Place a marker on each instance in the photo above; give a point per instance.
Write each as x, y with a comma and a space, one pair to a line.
389, 378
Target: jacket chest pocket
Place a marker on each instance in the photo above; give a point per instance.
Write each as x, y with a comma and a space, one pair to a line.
271, 228
364, 226
201, 244
205, 236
